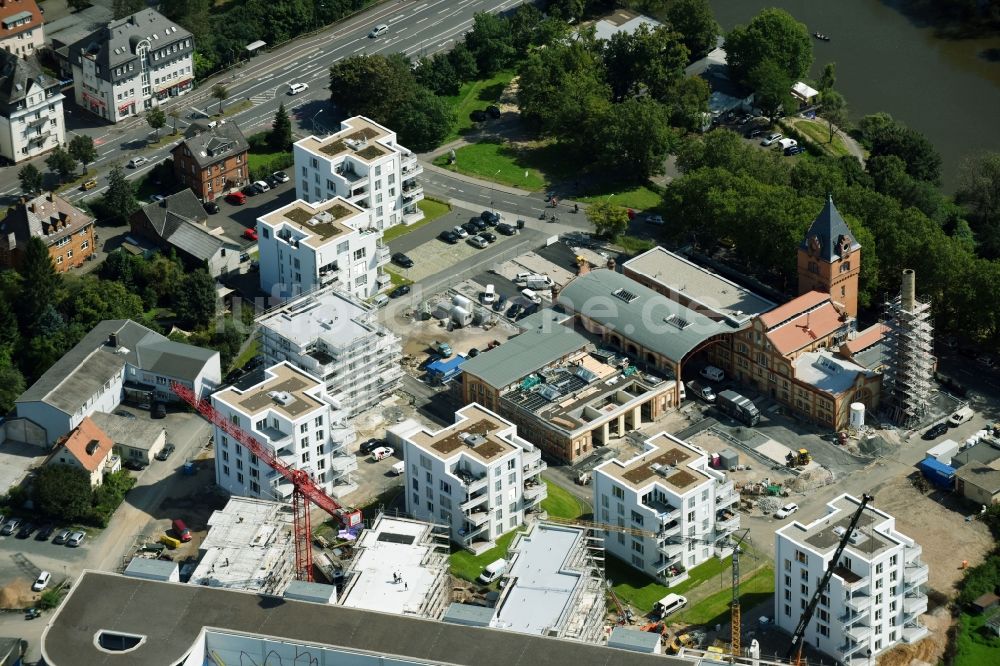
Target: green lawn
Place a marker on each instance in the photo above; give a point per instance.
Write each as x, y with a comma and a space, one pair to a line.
633, 245
819, 134
468, 566
262, 160
475, 95
642, 591
396, 278
972, 646
641, 197
715, 608
560, 503
247, 354
497, 162
433, 209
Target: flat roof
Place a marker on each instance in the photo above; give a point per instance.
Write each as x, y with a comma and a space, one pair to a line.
714, 293
248, 546
392, 546
316, 223
476, 432
825, 533
283, 388
827, 372
541, 582
172, 616
360, 137
665, 461
138, 433
639, 314
523, 354
327, 313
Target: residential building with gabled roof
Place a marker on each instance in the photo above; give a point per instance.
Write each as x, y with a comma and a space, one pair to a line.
22, 30
87, 448
212, 159
67, 231
31, 109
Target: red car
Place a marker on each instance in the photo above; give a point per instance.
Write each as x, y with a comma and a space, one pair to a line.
250, 233
236, 198
631, 214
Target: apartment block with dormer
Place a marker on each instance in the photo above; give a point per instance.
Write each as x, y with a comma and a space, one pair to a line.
363, 164
67, 231
22, 29
31, 109
212, 159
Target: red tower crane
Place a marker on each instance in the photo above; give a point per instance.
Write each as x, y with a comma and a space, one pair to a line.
304, 489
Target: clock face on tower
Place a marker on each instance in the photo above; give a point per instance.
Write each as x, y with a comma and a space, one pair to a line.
814, 246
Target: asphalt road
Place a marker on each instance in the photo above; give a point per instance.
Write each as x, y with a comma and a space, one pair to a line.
417, 28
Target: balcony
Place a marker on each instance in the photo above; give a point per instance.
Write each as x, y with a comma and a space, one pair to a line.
470, 532
671, 551
726, 521
413, 216
344, 464
478, 518
413, 197
408, 161
912, 553
474, 502
352, 177
859, 633
670, 530
532, 462
535, 492
382, 254
915, 574
664, 512
725, 495
471, 482
859, 603
915, 605
914, 633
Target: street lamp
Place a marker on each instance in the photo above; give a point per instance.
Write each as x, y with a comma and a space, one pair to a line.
313, 124
492, 208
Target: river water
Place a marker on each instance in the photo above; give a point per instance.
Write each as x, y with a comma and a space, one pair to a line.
946, 89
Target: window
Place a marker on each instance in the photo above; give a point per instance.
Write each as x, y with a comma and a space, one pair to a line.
319, 436
618, 492
359, 254
637, 518
498, 486
239, 477
304, 427
801, 557
788, 565
319, 421
788, 610
604, 501
305, 456
445, 487
637, 546
638, 562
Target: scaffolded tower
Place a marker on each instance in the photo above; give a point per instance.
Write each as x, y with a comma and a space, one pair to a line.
909, 362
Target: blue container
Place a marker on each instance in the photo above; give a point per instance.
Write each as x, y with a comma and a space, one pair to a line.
939, 474
189, 468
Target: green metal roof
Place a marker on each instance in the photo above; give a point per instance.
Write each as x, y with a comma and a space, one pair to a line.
638, 313
536, 347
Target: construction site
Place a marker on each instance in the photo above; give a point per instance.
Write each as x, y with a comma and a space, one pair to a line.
908, 375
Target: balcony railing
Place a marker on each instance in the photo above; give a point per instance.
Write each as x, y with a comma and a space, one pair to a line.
859, 602
915, 574
914, 633
534, 492
727, 521
915, 605
859, 632
671, 551
344, 464
474, 502
477, 518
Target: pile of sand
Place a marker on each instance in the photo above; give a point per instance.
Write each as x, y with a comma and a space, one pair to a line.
17, 594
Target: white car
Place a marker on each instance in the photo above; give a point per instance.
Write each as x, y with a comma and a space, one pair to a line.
478, 241
280, 176
296, 88
261, 186
460, 232
771, 139
378, 31
712, 373
136, 162
786, 511
75, 539
381, 453
41, 582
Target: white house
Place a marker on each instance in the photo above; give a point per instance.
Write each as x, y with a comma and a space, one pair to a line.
22, 30
876, 595
90, 449
286, 410
31, 109
304, 246
476, 476
119, 359
363, 164
131, 65
684, 509
337, 339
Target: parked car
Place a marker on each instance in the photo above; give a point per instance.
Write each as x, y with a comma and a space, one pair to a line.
136, 162
41, 582
701, 391
500, 303
135, 465
165, 452
378, 31
370, 445
477, 241
794, 150
401, 290
236, 198
124, 414
75, 539
712, 373
280, 176
448, 236
44, 532
460, 232
470, 228
250, 234
493, 111
772, 139
61, 537
754, 133
11, 526
506, 229
156, 198
272, 182
655, 220
491, 218
478, 116
381, 453
786, 510
935, 431
401, 259
211, 207
27, 529
159, 410
514, 311
250, 190
488, 236
261, 186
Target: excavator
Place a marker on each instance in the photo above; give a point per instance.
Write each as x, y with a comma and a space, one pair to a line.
799, 458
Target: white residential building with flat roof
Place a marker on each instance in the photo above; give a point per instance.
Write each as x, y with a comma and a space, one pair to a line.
684, 508
876, 594
337, 339
363, 164
286, 410
476, 476
305, 246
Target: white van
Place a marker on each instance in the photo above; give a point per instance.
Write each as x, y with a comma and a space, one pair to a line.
534, 277
489, 295
380, 301
531, 296
962, 415
712, 373
296, 88
399, 468
669, 604
493, 570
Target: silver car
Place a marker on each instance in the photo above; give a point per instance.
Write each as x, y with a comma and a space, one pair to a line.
771, 139
75, 539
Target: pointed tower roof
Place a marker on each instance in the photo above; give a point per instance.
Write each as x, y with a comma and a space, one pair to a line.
824, 238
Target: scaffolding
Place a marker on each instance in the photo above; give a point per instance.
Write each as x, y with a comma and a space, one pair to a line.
907, 381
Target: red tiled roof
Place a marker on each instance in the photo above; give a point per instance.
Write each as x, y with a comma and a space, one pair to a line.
89, 444
10, 8
793, 307
803, 330
866, 338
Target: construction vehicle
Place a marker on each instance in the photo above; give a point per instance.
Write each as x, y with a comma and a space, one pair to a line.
304, 488
680, 642
799, 458
737, 406
795, 649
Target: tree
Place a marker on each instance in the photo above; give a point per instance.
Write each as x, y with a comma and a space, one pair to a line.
195, 304
174, 116
40, 287
89, 301
609, 220
120, 198
491, 43
828, 78
280, 136
62, 493
193, 15
833, 108
123, 8
61, 162
645, 62
772, 88
921, 158
371, 86
156, 119
31, 178
11, 384
423, 121
635, 138
463, 62
772, 35
695, 21
979, 193
220, 92
83, 150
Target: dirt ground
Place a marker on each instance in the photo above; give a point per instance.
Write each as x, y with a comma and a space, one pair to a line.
420, 334
939, 526
17, 594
